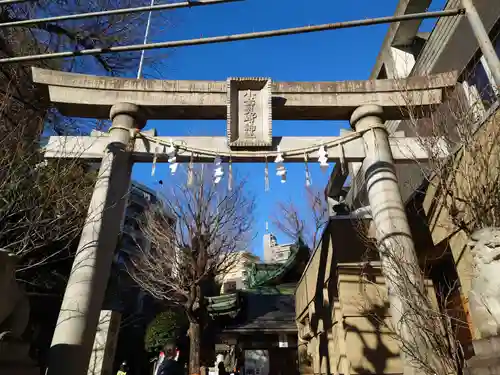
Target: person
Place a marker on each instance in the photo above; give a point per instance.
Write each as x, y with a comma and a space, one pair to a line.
123, 369
160, 359
222, 369
169, 365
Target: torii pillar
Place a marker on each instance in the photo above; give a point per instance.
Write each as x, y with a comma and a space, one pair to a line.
400, 264
74, 334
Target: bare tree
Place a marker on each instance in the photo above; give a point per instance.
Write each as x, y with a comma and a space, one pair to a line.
195, 232
93, 32
308, 225
43, 205
465, 185
429, 311
461, 195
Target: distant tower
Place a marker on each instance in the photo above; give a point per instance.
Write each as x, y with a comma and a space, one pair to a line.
268, 245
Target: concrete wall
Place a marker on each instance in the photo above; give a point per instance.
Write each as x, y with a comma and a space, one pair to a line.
342, 311
334, 308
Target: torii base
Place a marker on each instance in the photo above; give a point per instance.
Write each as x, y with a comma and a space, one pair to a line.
487, 358
14, 359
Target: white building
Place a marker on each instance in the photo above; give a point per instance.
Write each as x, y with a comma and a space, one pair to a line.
234, 279
273, 252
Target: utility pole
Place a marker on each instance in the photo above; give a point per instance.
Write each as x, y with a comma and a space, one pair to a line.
146, 34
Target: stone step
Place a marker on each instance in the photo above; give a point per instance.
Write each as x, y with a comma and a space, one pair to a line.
19, 369
14, 352
487, 347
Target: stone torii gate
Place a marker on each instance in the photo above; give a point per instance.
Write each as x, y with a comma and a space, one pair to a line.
129, 103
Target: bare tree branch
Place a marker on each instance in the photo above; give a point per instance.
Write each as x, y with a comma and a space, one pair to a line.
292, 223
42, 206
195, 232
432, 347
461, 194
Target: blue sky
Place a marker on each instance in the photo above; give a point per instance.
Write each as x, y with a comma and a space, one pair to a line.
325, 56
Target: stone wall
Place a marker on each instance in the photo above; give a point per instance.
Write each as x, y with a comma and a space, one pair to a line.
342, 307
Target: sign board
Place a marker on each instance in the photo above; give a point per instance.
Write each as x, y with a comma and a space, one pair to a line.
249, 112
283, 341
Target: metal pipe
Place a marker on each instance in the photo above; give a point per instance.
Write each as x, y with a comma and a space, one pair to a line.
8, 2
231, 38
483, 40
184, 4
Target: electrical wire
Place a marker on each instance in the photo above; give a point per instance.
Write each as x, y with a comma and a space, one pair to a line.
235, 37
112, 12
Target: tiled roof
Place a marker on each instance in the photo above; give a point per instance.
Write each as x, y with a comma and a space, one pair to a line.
265, 313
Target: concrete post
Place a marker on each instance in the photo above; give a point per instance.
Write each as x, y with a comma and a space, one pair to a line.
74, 334
397, 253
483, 39
103, 352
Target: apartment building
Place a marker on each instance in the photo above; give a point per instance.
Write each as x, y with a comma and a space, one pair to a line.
274, 252
235, 278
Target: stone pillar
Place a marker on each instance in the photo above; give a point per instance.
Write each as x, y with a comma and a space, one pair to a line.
103, 352
397, 253
74, 334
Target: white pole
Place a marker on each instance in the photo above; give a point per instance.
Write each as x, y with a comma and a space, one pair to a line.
146, 34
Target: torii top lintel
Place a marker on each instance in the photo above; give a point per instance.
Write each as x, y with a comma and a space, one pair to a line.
82, 95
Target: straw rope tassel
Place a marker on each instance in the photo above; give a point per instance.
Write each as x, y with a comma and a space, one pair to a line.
266, 176
155, 158
342, 159
308, 174
190, 176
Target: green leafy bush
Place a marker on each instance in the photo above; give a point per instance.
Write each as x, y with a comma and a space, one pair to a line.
166, 326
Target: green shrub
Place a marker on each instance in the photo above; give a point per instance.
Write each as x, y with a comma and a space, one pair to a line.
166, 326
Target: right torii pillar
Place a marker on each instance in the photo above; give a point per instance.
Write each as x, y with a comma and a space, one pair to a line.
407, 297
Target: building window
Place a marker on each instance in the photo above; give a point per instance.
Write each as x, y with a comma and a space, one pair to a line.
135, 211
280, 256
480, 81
229, 286
496, 43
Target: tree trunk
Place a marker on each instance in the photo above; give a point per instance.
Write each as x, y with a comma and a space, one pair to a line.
194, 348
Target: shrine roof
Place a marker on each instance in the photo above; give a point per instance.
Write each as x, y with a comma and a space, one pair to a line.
265, 313
273, 274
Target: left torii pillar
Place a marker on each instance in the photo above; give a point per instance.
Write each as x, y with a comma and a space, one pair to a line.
74, 334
